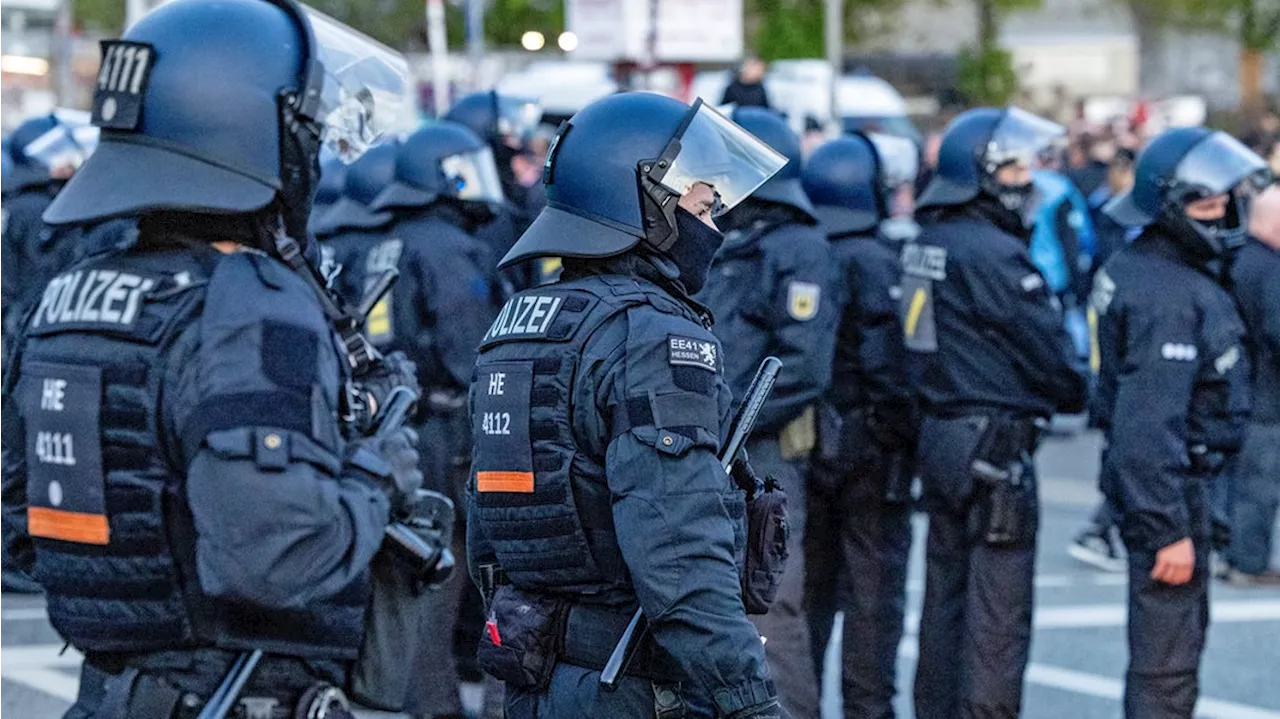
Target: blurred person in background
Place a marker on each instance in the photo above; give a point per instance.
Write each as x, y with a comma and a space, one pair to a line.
1098, 149
1255, 482
347, 228
747, 88
859, 526
770, 291
992, 363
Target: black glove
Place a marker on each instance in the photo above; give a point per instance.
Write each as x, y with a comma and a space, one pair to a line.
766, 710
373, 385
392, 465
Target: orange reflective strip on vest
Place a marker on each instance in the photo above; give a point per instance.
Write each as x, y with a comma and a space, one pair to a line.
504, 482
76, 527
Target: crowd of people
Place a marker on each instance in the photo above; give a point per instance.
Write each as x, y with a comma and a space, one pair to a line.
210, 467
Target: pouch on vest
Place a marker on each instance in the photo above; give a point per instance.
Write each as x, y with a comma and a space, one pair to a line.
767, 533
521, 637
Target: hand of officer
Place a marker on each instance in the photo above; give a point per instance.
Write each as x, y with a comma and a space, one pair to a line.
394, 466
395, 370
1175, 563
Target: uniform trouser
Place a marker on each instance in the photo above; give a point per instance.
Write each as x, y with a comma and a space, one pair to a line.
444, 443
575, 692
176, 684
1167, 625
856, 551
975, 626
786, 626
1254, 491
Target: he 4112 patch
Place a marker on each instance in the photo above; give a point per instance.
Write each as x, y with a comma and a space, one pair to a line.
691, 352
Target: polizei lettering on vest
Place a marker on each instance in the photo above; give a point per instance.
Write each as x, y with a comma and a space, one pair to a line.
529, 315
105, 296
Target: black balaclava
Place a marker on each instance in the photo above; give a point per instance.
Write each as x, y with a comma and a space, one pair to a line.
693, 252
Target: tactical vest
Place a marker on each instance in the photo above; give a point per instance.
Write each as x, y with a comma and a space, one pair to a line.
106, 503
105, 509
542, 501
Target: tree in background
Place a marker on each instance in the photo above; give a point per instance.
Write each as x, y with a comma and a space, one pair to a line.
986, 72
786, 29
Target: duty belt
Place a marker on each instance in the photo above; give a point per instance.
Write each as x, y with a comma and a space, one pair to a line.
591, 633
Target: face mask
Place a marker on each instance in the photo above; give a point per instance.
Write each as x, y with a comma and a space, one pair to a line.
1016, 198
693, 251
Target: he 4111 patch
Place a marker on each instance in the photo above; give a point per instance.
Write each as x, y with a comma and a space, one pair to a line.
691, 352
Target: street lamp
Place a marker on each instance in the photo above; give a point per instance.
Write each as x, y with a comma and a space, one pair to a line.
533, 41
568, 41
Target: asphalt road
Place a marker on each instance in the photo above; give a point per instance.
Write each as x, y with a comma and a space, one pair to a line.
1078, 655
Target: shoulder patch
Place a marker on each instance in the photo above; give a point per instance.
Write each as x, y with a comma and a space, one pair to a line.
685, 351
802, 300
924, 261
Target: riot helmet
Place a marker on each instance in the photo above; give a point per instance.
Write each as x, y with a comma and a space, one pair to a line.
497, 119
853, 180
443, 161
616, 171
63, 148
784, 187
26, 172
221, 106
978, 145
363, 180
1184, 166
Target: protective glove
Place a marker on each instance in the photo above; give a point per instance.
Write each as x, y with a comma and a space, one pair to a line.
392, 464
765, 710
373, 385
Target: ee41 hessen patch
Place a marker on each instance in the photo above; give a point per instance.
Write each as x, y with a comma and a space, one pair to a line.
690, 352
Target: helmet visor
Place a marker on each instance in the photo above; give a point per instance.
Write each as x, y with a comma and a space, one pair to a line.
517, 117
1217, 165
899, 159
365, 87
67, 144
473, 176
715, 151
1021, 138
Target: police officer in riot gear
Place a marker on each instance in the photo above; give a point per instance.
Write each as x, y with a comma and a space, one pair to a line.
859, 528
507, 124
174, 410
598, 406
444, 187
1180, 400
348, 227
769, 292
991, 361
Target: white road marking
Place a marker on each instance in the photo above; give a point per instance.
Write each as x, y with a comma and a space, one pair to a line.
1095, 685
47, 681
25, 614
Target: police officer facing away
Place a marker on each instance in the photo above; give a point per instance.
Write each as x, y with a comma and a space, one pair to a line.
991, 358
174, 411
347, 228
443, 188
1180, 400
769, 291
859, 525
598, 406
507, 123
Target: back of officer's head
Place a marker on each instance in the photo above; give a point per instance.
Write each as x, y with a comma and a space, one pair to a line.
841, 177
190, 103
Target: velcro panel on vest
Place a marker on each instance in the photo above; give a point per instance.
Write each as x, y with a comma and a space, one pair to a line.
523, 448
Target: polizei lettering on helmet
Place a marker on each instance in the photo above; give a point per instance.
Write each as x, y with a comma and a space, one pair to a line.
525, 316
107, 297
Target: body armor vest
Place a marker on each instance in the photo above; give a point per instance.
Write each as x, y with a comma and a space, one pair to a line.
542, 500
105, 510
